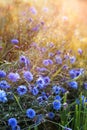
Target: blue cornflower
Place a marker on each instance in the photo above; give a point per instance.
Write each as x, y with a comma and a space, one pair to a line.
13, 76
3, 95
2, 74
76, 72
56, 104
51, 115
58, 60
40, 82
72, 59
22, 59
34, 91
73, 84
28, 76
57, 97
47, 62
47, 80
4, 84
14, 41
30, 113
56, 89
12, 122
22, 90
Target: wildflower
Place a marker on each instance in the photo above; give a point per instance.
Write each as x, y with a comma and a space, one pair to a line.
4, 84
40, 83
13, 76
33, 10
76, 72
57, 97
3, 97
28, 76
80, 51
47, 80
65, 105
14, 41
41, 69
58, 60
47, 62
2, 74
56, 89
72, 59
12, 122
30, 113
51, 115
73, 84
22, 90
56, 104
34, 91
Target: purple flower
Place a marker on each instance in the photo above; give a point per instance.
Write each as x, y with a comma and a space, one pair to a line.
33, 10
14, 41
66, 128
2, 74
76, 72
58, 60
73, 84
41, 69
22, 90
72, 59
40, 82
3, 97
28, 76
56, 89
47, 80
34, 91
4, 84
47, 62
80, 51
56, 105
13, 76
30, 113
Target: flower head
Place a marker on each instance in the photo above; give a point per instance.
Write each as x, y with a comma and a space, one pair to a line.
3, 95
56, 89
12, 122
35, 91
30, 113
28, 76
4, 84
13, 76
2, 74
58, 60
22, 90
14, 41
72, 59
56, 104
73, 84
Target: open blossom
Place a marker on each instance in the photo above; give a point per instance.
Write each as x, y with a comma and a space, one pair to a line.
4, 84
22, 90
14, 41
30, 113
56, 105
12, 122
13, 76
2, 74
28, 76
